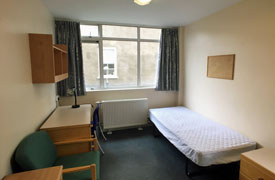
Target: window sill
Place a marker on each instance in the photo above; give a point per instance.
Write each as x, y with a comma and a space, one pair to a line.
105, 78
120, 89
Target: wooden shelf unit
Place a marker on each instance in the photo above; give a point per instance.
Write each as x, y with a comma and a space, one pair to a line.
49, 62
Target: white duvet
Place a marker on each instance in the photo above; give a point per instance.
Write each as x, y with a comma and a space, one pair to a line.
201, 140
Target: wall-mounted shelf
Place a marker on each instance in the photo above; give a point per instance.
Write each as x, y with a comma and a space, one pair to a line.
49, 62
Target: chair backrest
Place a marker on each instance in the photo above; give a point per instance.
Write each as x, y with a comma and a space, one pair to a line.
95, 118
36, 151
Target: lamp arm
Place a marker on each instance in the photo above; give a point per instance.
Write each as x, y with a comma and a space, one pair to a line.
75, 100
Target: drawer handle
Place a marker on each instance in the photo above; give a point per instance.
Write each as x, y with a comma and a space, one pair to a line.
260, 178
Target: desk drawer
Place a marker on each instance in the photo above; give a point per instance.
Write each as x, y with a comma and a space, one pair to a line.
75, 148
252, 171
243, 177
69, 133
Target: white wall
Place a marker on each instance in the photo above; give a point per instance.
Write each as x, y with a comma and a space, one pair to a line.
155, 98
24, 106
247, 103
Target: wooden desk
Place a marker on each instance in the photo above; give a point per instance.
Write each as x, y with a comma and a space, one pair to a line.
52, 173
258, 165
67, 125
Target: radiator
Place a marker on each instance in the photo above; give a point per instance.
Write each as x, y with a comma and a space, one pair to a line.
124, 113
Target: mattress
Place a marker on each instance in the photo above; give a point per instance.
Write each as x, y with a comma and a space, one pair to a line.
203, 141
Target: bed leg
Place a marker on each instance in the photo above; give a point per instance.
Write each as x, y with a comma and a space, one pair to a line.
156, 132
187, 173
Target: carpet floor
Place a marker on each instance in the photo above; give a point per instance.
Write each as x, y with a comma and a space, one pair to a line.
138, 155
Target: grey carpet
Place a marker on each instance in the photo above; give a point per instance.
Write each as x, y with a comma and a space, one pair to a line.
138, 155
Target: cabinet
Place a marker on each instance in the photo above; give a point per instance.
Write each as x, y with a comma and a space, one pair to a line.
67, 125
49, 62
258, 165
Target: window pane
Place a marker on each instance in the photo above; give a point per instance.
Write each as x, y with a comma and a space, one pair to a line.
119, 31
89, 30
148, 62
91, 65
149, 33
126, 64
110, 62
109, 55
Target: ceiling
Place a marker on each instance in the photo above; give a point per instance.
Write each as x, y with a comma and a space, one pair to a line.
157, 13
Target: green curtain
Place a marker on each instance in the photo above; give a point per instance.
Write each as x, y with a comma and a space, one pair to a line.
168, 69
68, 33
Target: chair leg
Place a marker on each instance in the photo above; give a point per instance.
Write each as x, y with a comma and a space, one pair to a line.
100, 148
98, 144
102, 133
93, 171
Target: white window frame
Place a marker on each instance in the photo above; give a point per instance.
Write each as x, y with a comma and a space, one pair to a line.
99, 39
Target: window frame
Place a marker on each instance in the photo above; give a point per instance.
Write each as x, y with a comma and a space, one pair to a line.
99, 39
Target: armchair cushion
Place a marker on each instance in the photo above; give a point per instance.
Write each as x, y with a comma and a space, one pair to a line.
77, 160
36, 151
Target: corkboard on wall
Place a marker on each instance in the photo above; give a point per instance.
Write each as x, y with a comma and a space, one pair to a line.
221, 67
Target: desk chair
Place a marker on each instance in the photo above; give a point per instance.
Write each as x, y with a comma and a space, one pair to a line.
95, 123
37, 151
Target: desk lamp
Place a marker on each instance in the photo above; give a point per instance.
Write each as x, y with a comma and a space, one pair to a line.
75, 100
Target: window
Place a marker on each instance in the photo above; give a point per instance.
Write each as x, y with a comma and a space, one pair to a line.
147, 66
149, 33
126, 64
90, 65
89, 31
119, 56
119, 31
109, 62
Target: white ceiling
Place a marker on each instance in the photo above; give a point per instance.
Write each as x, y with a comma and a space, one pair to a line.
157, 13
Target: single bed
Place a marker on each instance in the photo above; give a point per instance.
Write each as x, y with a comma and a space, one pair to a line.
203, 141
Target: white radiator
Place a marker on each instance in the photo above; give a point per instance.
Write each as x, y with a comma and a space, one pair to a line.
124, 113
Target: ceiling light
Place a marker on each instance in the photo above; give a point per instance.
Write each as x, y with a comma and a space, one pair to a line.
142, 2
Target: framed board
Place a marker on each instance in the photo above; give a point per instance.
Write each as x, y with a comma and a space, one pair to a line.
221, 67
